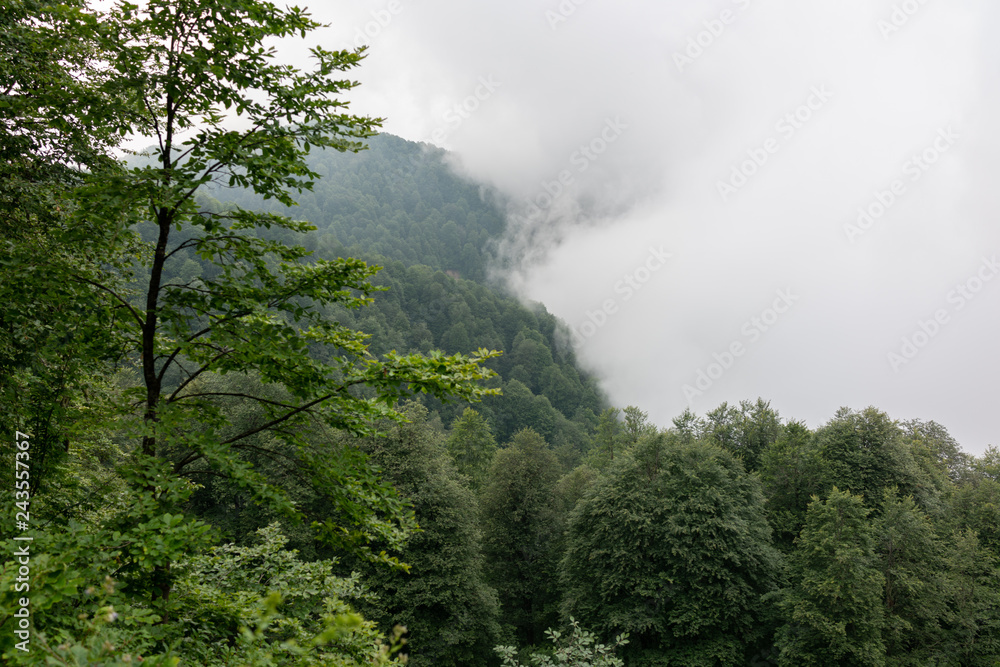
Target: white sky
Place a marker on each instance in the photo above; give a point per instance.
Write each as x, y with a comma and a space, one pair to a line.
874, 83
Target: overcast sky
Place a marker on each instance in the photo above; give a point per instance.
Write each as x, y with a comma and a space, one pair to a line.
728, 199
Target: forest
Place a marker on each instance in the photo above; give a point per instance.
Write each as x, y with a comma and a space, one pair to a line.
264, 402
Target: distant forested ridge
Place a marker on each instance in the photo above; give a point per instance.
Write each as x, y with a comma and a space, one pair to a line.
398, 199
399, 205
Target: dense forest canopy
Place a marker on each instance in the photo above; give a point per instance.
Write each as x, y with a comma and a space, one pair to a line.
263, 406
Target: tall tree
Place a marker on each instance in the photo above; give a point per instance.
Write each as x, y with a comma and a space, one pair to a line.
608, 439
912, 562
746, 430
201, 78
791, 472
972, 599
471, 446
671, 545
863, 452
637, 424
196, 69
833, 608
56, 127
521, 532
443, 600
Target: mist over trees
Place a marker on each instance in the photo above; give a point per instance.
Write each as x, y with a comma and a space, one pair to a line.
261, 433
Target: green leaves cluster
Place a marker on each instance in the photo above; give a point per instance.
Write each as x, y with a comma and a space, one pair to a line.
680, 534
579, 649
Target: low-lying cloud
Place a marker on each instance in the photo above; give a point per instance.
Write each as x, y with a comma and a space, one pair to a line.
843, 151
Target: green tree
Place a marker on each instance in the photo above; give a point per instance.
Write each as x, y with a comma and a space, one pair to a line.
862, 452
443, 600
833, 609
912, 563
194, 67
636, 425
939, 454
972, 599
518, 408
471, 446
521, 532
688, 426
54, 339
608, 439
975, 503
791, 473
671, 545
579, 649
181, 72
746, 431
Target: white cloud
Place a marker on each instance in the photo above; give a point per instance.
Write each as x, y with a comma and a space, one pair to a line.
687, 127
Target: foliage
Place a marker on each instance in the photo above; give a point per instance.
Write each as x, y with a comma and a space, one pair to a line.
791, 472
580, 649
471, 446
78, 612
191, 67
678, 529
863, 452
521, 532
833, 608
972, 619
181, 72
400, 200
397, 204
443, 600
745, 431
261, 605
54, 339
189, 362
52, 63
912, 564
608, 439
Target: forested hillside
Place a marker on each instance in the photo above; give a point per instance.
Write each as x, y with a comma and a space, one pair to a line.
398, 199
234, 440
399, 206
